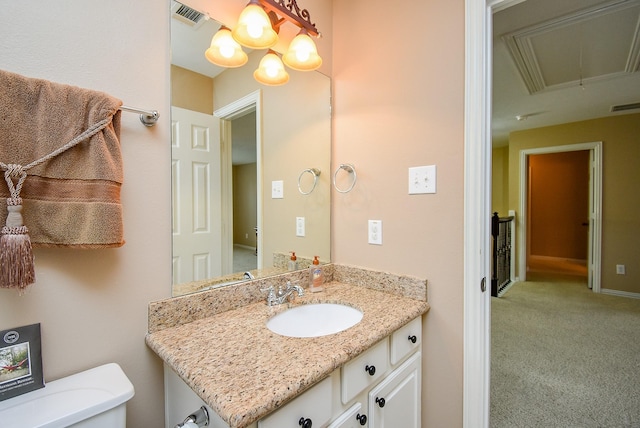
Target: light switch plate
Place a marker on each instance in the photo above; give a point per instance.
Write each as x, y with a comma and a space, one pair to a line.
375, 232
299, 226
277, 189
422, 179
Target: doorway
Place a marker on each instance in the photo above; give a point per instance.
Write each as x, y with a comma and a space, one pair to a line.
244, 192
558, 202
593, 218
249, 107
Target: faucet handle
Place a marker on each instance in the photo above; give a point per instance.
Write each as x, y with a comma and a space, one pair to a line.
271, 294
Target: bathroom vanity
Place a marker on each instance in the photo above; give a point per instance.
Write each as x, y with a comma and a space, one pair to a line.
247, 376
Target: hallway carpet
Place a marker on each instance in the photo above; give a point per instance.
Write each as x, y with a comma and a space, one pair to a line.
563, 356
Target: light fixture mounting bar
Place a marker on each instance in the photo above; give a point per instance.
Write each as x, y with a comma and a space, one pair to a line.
301, 17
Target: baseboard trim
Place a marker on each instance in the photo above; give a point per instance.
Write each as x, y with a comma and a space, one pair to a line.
246, 247
620, 293
557, 259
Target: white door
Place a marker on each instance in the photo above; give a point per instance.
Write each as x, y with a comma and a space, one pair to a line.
195, 153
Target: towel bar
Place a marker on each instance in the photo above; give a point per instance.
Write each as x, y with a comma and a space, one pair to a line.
147, 117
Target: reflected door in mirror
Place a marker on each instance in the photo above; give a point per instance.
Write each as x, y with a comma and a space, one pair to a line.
195, 195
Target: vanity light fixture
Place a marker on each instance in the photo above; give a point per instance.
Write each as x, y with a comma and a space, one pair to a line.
258, 27
271, 70
225, 51
302, 54
254, 29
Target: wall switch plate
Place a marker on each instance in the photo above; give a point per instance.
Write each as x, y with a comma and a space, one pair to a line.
375, 232
277, 189
422, 179
620, 270
299, 226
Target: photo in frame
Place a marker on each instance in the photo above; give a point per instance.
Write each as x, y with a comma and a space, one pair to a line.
20, 361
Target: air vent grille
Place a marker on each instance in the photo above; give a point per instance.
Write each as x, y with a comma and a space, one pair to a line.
187, 15
624, 107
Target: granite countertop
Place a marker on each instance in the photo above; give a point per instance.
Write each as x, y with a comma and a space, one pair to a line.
243, 371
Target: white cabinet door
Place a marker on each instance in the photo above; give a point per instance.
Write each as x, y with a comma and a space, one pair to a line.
352, 418
395, 402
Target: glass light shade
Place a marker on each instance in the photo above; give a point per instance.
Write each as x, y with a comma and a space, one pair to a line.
302, 54
271, 70
224, 51
254, 28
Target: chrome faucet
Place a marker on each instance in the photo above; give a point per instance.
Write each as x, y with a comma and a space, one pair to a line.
248, 275
282, 294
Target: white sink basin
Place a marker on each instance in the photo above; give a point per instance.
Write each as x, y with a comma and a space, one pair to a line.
313, 320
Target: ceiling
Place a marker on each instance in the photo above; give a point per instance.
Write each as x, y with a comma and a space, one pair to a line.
563, 61
190, 37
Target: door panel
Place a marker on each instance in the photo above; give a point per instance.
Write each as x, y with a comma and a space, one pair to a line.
195, 151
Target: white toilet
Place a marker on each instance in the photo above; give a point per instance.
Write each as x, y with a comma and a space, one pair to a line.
95, 398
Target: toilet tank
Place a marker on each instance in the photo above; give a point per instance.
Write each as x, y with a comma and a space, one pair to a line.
95, 398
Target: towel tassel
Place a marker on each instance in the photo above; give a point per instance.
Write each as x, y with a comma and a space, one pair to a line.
16, 254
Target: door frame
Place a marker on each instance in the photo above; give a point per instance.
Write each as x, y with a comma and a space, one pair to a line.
477, 205
234, 110
595, 207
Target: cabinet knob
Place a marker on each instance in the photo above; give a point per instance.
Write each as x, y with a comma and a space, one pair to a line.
362, 419
380, 401
371, 370
305, 423
413, 339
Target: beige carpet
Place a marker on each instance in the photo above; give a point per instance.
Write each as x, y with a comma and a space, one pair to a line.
563, 356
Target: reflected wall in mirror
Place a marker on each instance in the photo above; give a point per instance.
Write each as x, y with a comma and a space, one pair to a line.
232, 138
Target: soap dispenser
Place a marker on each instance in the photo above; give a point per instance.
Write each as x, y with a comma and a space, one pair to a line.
316, 278
293, 264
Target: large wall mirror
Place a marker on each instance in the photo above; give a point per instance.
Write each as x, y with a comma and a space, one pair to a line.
233, 141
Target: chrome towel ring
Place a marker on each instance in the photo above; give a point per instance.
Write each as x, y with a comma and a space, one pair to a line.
351, 170
313, 171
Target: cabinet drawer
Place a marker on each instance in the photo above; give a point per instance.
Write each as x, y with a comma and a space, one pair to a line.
314, 404
405, 340
364, 370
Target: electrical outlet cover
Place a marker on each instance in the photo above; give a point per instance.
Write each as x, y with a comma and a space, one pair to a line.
375, 232
300, 226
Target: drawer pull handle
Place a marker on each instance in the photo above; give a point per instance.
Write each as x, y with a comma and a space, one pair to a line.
413, 339
362, 419
305, 423
380, 401
371, 370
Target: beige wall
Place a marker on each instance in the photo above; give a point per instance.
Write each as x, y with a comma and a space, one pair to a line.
244, 204
398, 103
500, 181
93, 304
191, 91
620, 210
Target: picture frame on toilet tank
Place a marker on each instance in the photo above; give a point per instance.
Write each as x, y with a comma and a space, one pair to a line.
20, 361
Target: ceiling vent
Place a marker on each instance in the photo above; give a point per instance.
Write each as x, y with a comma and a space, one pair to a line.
624, 107
187, 15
